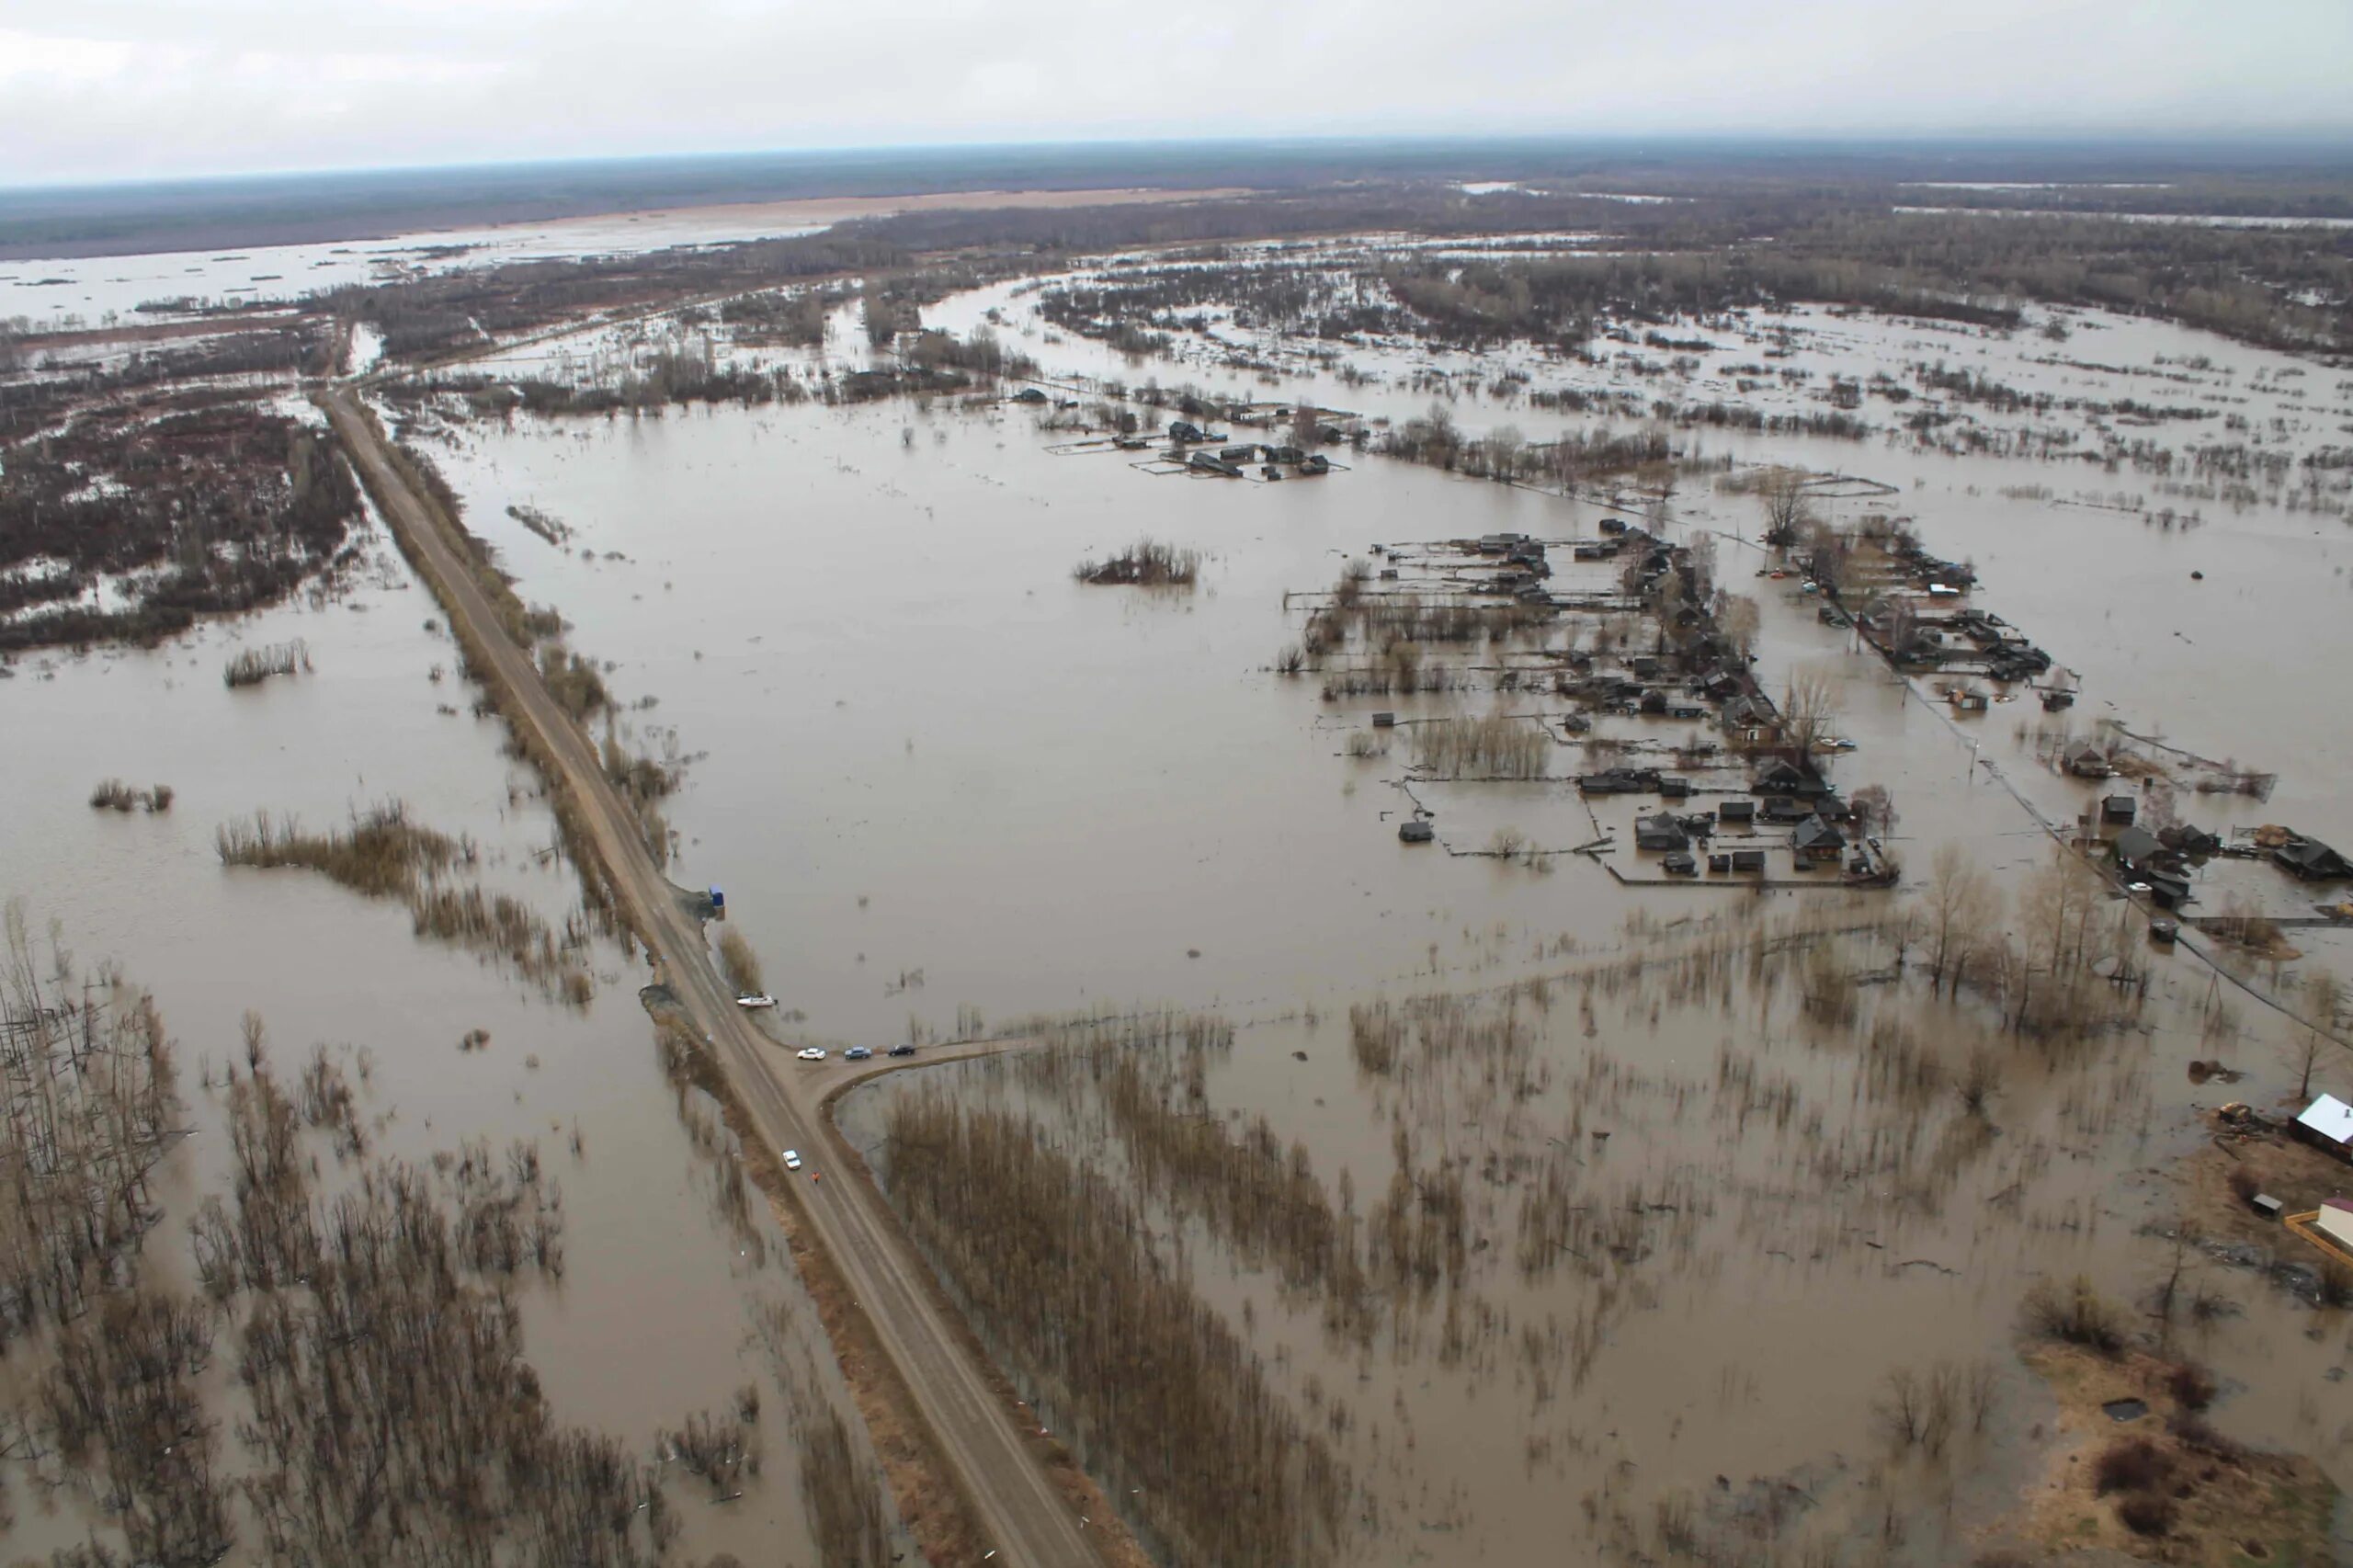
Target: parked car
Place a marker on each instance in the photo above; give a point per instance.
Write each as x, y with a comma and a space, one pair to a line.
811, 1053
855, 1054
903, 1051
793, 1159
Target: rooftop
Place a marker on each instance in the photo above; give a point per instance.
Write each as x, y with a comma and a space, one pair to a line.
2329, 1117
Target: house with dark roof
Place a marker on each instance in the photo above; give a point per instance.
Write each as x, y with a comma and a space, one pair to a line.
1619, 781
2118, 809
2088, 761
1742, 812
1815, 839
1661, 832
2136, 847
1783, 778
2311, 860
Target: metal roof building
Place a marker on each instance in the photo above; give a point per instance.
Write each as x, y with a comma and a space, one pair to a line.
2328, 1121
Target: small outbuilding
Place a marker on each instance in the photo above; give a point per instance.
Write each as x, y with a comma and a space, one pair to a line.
1743, 812
2118, 809
2335, 1221
2327, 1125
1747, 862
1415, 830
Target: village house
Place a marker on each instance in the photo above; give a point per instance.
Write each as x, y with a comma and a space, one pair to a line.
2088, 761
2118, 809
1660, 832
1784, 778
1619, 781
2311, 860
2137, 849
1816, 840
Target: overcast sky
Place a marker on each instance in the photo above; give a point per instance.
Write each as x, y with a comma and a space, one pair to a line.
105, 89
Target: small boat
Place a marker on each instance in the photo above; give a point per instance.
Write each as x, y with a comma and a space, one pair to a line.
762, 1000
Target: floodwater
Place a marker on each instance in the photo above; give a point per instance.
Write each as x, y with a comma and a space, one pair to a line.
946, 787
655, 1316
88, 292
941, 780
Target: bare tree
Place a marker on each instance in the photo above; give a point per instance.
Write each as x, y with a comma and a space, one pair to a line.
1874, 809
1702, 564
1503, 446
2322, 994
1960, 905
2056, 909
1304, 426
1786, 508
1737, 618
1807, 712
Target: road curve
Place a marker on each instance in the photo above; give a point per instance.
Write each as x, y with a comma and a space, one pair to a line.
1028, 1523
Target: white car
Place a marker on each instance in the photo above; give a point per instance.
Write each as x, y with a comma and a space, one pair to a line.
793, 1159
762, 1000
811, 1053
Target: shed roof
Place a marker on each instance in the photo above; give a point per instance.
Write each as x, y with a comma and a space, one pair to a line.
2137, 844
2329, 1117
1815, 833
2336, 1224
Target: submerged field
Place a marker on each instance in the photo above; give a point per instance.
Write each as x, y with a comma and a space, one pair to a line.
1341, 1198
992, 791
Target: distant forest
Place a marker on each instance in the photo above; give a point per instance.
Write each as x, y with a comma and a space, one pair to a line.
2253, 178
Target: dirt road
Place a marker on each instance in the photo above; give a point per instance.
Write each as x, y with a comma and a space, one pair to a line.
1028, 1523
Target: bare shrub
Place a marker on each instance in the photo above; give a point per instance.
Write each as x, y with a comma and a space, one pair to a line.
1498, 747
2130, 1464
2192, 1386
1056, 1266
742, 964
1147, 563
254, 665
2076, 1313
2147, 1513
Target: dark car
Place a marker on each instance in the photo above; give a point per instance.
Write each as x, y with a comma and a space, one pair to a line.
903, 1051
857, 1054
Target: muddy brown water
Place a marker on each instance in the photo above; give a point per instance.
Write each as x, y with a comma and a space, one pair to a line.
656, 1316
937, 775
939, 778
